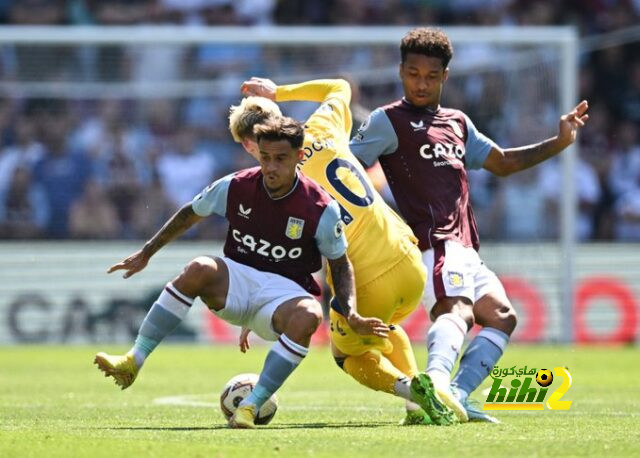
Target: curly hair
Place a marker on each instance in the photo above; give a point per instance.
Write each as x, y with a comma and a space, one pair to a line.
280, 128
430, 42
251, 111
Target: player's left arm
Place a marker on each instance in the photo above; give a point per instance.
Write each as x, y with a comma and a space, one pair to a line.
332, 243
503, 162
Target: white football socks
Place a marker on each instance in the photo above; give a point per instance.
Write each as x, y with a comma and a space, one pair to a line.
444, 341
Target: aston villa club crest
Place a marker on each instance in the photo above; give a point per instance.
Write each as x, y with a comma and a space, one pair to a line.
456, 279
294, 228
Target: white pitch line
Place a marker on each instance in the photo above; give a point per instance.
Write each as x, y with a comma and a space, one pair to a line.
183, 401
191, 400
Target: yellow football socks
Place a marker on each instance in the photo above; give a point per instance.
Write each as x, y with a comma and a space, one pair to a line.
402, 356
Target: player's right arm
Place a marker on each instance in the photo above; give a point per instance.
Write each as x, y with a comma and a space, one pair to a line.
212, 199
344, 284
182, 220
376, 137
332, 244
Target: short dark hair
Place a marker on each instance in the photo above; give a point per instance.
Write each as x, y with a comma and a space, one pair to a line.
280, 128
430, 42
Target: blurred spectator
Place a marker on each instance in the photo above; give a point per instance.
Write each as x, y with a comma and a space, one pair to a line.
122, 183
92, 215
624, 181
294, 12
61, 173
24, 208
631, 97
7, 109
186, 12
185, 169
99, 134
522, 211
595, 150
151, 209
119, 156
208, 119
624, 174
38, 12
25, 152
122, 11
254, 12
628, 213
588, 193
359, 113
161, 120
482, 191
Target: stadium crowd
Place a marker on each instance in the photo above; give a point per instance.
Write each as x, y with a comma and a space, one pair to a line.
117, 168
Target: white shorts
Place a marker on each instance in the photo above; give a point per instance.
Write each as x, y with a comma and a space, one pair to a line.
456, 270
254, 296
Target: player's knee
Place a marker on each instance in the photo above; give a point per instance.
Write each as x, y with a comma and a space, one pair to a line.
461, 307
502, 317
198, 272
510, 320
307, 316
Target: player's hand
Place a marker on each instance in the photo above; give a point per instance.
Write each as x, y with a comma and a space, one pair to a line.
131, 265
571, 122
244, 339
368, 325
262, 87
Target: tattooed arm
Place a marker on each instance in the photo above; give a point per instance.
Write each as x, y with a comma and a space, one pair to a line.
344, 286
179, 223
508, 161
182, 220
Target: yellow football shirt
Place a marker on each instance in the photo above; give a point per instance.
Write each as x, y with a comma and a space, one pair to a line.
378, 238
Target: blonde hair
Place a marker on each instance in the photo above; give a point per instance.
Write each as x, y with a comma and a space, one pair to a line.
251, 111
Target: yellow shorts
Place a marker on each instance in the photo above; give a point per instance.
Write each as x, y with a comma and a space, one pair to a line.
391, 297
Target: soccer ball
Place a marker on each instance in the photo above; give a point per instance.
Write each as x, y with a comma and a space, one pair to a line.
544, 377
238, 388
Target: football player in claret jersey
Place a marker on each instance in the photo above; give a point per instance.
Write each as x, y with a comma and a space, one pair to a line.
280, 223
425, 150
387, 263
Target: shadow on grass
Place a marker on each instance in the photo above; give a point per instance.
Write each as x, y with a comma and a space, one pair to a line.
259, 428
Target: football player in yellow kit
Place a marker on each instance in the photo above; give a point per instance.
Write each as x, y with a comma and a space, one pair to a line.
389, 274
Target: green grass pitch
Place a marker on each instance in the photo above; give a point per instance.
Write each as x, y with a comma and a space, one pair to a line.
55, 403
